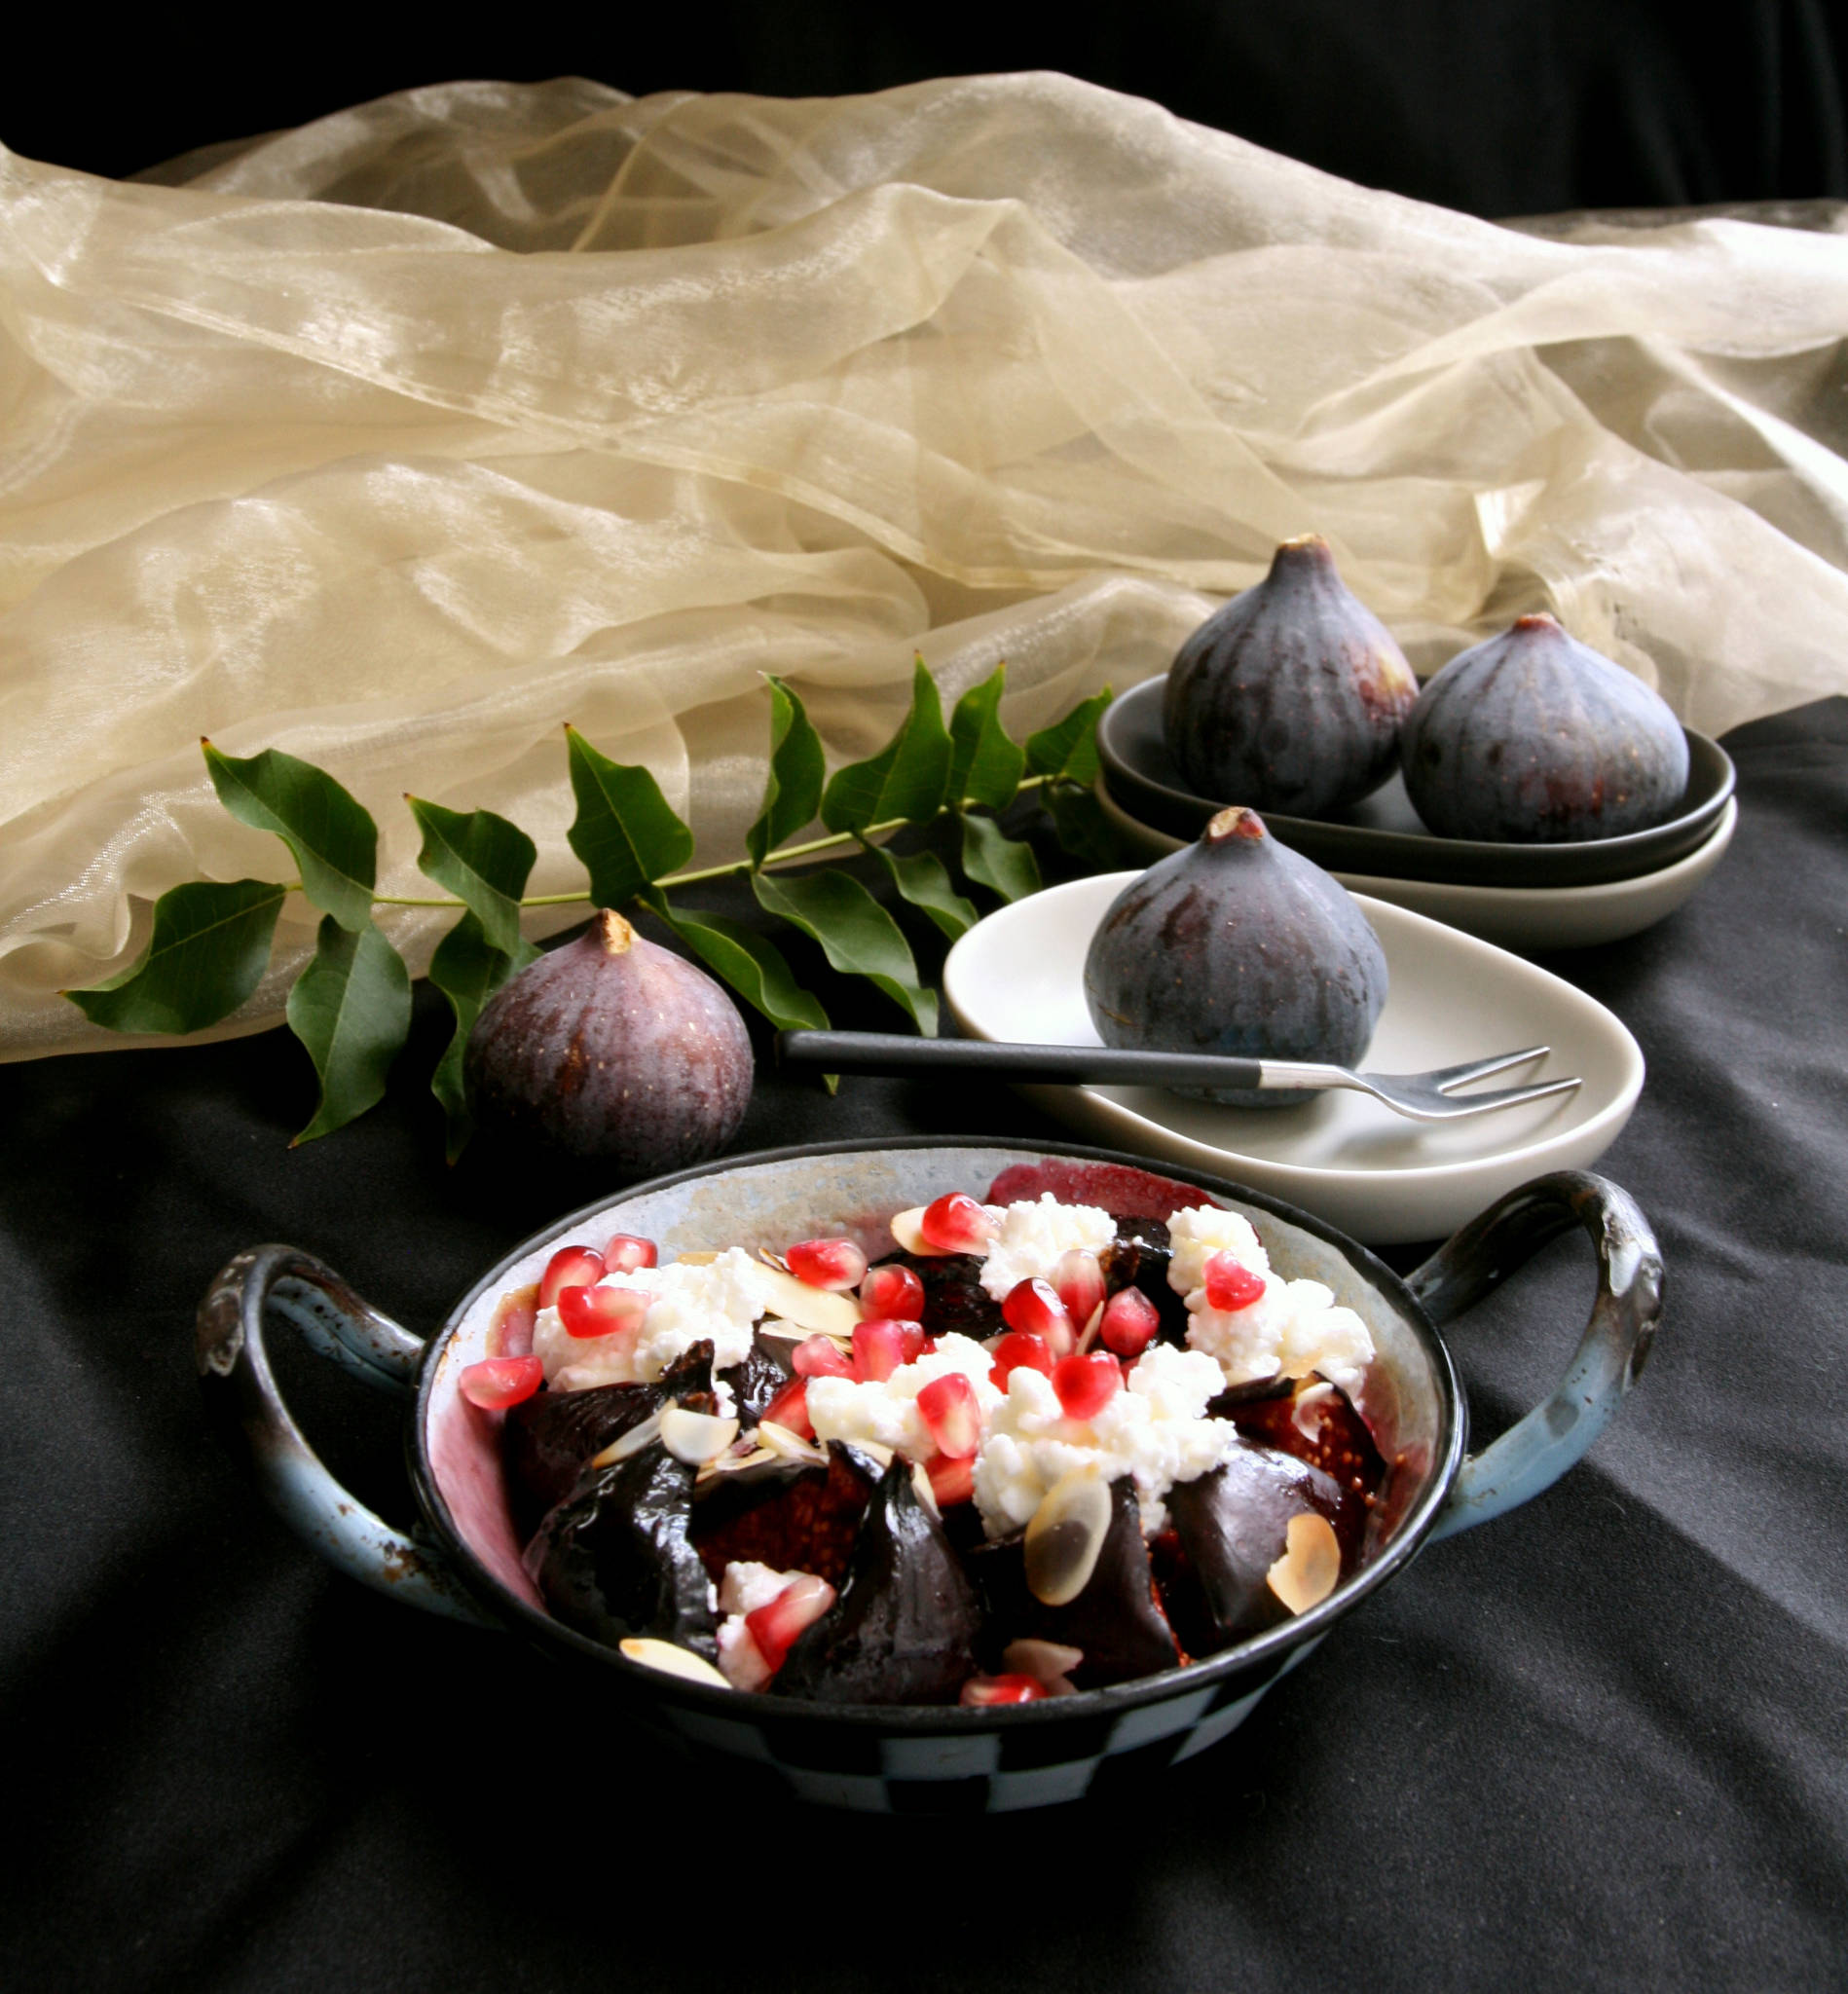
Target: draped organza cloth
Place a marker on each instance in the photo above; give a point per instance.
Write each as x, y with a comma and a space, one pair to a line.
401, 439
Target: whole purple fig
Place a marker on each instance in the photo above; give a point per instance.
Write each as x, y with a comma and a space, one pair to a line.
1535, 738
612, 1046
1237, 945
1290, 696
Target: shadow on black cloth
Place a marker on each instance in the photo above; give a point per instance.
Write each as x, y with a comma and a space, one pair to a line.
1598, 1743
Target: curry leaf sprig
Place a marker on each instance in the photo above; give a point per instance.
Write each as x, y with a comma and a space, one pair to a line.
350, 1005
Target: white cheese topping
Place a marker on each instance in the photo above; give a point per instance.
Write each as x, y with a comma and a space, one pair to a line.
1155, 1430
886, 1411
1200, 1232
1293, 1328
747, 1585
1033, 1235
692, 1300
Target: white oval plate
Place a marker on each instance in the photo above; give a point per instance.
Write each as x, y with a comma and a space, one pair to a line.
1019, 974
1517, 916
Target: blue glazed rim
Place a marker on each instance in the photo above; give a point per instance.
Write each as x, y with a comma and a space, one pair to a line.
1261, 1657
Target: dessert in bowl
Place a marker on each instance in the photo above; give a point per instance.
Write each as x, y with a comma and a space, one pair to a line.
828, 1740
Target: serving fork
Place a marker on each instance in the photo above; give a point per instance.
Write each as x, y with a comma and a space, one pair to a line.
1424, 1097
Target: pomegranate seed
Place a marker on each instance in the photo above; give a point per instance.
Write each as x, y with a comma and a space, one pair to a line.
601, 1311
497, 1381
893, 1291
799, 1605
956, 1224
1087, 1384
1079, 1282
789, 1410
1034, 1307
821, 1356
1020, 1348
915, 1342
980, 1692
1230, 1284
832, 1263
1129, 1322
625, 1253
570, 1267
947, 1406
952, 1481
878, 1350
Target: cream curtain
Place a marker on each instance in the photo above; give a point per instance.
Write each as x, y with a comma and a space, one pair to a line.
401, 439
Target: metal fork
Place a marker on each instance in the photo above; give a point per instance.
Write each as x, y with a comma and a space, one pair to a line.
1424, 1097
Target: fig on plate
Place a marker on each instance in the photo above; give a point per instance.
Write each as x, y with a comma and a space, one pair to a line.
1535, 738
1237, 945
612, 1046
1290, 696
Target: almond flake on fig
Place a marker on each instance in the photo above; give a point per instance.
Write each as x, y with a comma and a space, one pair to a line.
672, 1660
1310, 1565
1066, 1533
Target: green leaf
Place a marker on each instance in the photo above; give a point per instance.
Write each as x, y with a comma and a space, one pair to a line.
1067, 750
924, 882
985, 766
331, 835
351, 1009
625, 832
750, 963
483, 860
468, 968
908, 777
793, 789
1082, 828
998, 862
856, 933
207, 954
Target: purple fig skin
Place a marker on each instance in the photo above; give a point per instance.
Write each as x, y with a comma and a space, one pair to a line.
1534, 738
613, 1048
1237, 945
1290, 697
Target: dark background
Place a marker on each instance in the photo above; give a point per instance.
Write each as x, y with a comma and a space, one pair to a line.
1501, 107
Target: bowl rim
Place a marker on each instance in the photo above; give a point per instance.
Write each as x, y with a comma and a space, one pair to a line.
1265, 1652
1424, 855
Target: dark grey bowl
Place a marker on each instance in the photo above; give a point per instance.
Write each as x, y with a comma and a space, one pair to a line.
904, 1758
1382, 835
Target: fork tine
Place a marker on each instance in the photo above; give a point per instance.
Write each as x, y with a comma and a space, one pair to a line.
1448, 1077
1456, 1106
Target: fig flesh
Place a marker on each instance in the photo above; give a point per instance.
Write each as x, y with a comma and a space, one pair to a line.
1289, 698
1535, 738
611, 1047
1237, 945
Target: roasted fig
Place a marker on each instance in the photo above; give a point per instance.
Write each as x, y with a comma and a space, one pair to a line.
904, 1628
1535, 738
1290, 697
612, 1046
1237, 945
792, 1516
614, 1558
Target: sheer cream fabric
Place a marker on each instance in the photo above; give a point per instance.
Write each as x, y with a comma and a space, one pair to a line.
401, 439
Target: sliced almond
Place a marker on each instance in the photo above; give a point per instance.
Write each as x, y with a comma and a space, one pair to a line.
696, 1437
814, 1308
788, 1445
632, 1441
1088, 1335
732, 1463
695, 1259
1065, 1537
1310, 1565
672, 1660
1048, 1662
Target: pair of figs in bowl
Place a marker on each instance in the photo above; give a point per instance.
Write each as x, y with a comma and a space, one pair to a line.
1294, 697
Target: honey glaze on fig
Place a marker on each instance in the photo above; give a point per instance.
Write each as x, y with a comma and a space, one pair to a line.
894, 1591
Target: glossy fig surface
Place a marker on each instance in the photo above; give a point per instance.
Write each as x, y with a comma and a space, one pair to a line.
1237, 945
611, 1047
1289, 698
1535, 738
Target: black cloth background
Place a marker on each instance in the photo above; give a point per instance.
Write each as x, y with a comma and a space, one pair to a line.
1499, 107
1598, 1743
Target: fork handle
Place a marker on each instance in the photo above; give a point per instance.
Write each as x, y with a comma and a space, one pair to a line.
897, 1052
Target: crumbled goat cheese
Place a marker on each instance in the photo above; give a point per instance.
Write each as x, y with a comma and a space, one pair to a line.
747, 1586
1033, 1235
692, 1300
1293, 1328
886, 1410
1200, 1232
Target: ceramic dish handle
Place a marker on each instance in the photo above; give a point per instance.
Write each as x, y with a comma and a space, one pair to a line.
241, 1389
1534, 1452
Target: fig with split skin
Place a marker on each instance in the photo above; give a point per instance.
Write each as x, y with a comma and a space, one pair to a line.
1237, 945
614, 1047
1535, 738
1290, 696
